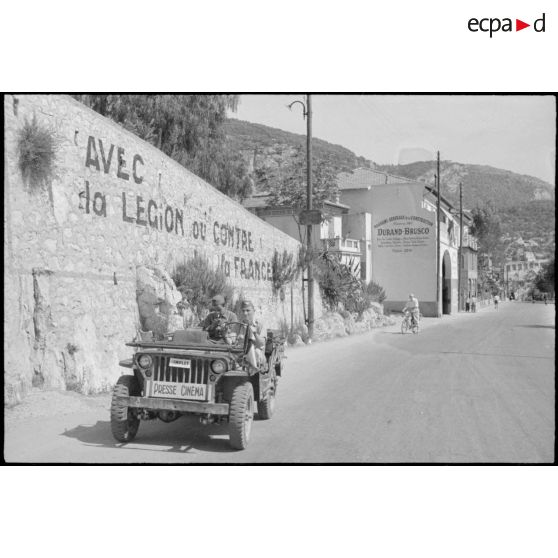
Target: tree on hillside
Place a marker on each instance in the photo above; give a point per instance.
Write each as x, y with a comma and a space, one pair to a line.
545, 278
487, 229
286, 183
188, 128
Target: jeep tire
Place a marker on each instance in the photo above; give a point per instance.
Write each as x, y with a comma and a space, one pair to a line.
124, 422
266, 407
241, 415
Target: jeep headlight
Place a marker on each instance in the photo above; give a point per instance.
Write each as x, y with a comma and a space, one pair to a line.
219, 366
145, 361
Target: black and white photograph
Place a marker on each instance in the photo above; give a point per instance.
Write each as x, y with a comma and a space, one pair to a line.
229, 278
279, 279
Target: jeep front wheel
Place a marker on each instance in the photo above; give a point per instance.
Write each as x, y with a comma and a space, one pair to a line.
241, 415
124, 421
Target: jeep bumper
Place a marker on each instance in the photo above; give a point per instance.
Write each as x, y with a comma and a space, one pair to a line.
176, 405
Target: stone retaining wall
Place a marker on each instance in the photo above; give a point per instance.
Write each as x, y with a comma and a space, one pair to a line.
72, 245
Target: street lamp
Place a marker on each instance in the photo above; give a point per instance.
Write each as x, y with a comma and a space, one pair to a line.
307, 113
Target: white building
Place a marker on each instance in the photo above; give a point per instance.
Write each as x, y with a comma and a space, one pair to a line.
402, 233
329, 235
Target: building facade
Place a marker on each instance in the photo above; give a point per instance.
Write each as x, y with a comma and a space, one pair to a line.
469, 264
328, 236
358, 225
403, 235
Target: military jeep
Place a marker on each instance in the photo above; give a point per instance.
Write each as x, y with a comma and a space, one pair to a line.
187, 373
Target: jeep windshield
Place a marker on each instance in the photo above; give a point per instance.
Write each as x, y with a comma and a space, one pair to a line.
232, 337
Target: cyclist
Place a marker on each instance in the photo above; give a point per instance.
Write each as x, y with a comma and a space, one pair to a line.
412, 306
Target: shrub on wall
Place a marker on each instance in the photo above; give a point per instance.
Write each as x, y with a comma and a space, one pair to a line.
36, 147
339, 284
201, 282
284, 270
375, 292
341, 287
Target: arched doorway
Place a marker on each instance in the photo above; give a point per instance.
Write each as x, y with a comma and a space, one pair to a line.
446, 283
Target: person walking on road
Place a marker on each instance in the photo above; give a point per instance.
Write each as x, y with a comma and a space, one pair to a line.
468, 303
496, 300
473, 303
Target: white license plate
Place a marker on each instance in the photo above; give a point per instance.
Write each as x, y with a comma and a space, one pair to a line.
180, 362
175, 390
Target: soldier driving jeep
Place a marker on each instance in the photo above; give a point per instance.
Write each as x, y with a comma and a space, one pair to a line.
213, 323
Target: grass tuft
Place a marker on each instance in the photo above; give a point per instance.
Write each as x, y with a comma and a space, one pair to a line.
37, 147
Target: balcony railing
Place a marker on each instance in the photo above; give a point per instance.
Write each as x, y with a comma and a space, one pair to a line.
469, 242
338, 244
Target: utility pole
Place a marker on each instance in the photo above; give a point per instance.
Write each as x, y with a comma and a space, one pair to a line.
309, 207
307, 113
438, 236
460, 266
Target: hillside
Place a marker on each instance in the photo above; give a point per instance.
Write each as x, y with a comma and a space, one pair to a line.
534, 223
268, 146
481, 183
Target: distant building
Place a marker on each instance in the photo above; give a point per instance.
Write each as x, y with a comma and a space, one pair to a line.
358, 225
328, 235
469, 261
519, 273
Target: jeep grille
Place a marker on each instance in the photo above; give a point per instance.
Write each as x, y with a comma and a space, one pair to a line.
198, 373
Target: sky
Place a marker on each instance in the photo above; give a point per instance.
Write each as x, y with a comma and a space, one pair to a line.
516, 133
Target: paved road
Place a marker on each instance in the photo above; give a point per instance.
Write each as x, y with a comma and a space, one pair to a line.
469, 388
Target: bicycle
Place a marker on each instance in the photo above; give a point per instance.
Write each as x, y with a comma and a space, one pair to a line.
408, 324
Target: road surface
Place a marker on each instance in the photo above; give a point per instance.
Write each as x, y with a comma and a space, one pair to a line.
468, 388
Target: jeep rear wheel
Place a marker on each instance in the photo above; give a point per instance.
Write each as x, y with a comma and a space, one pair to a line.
124, 422
241, 415
266, 407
